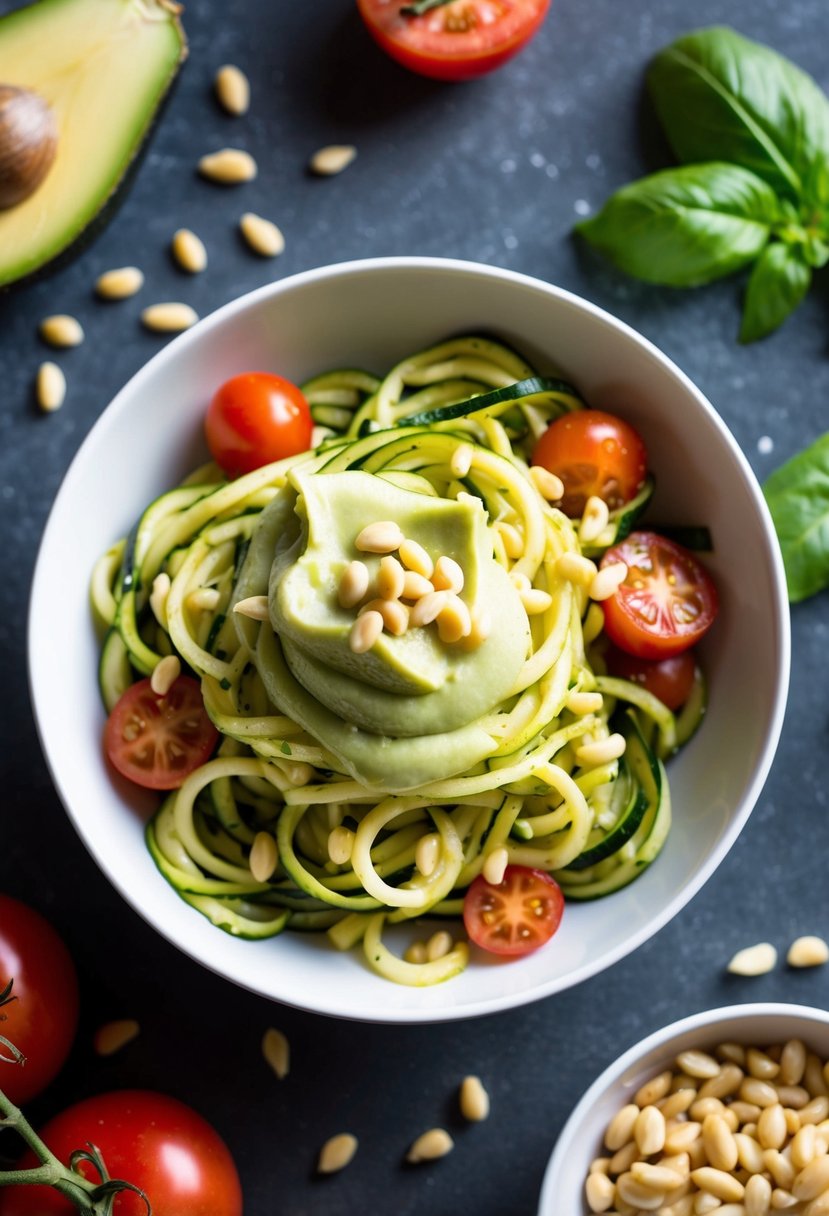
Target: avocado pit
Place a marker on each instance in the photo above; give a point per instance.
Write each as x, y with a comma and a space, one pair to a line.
28, 143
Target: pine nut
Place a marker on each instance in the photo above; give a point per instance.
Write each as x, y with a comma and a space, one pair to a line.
448, 576
602, 751
677, 1103
794, 1096
760, 1065
607, 581
576, 569
158, 598
682, 1136
655, 1089
717, 1182
726, 1082
600, 1165
754, 960
734, 1053
812, 1180
261, 235
594, 520
460, 461
780, 1167
731, 1209
382, 537
430, 1146
353, 584
481, 628
818, 1207
771, 1127
365, 631
649, 1131
415, 586
474, 1100
520, 581
416, 953
165, 674
761, 1093
792, 1121
757, 1197
813, 1076
599, 1192
495, 865
428, 608
277, 1052
61, 330
395, 616
264, 856
654, 1177
749, 1153
112, 1036
620, 1128
535, 601
548, 485
438, 945
229, 166
682, 1207
50, 387
746, 1112
639, 1196
622, 1160
803, 1146
703, 1107
169, 318
808, 952
815, 1111
584, 702
120, 283
512, 538
792, 1062
415, 558
189, 251
705, 1203
332, 159
427, 853
454, 621
340, 845
204, 599
390, 578
336, 1153
232, 89
255, 606
719, 1142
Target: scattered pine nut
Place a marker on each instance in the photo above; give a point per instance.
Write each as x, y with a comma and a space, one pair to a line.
365, 631
474, 1100
112, 1036
332, 159
512, 538
336, 1153
415, 953
232, 89
754, 960
454, 621
255, 606
340, 845
261, 235
584, 702
594, 519
165, 674
189, 251
808, 952
50, 387
169, 318
228, 167
430, 1146
460, 461
277, 1051
120, 283
602, 751
548, 485
481, 628
495, 865
607, 581
448, 575
205, 599
535, 601
384, 536
415, 558
427, 853
353, 585
415, 586
438, 945
158, 597
428, 608
390, 578
576, 569
61, 330
395, 616
264, 856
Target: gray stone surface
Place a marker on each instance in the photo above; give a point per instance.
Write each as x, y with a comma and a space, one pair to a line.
498, 170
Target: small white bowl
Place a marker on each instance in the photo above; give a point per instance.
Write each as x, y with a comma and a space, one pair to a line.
759, 1025
371, 314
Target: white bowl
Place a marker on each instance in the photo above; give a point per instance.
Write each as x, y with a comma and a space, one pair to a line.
370, 314
759, 1025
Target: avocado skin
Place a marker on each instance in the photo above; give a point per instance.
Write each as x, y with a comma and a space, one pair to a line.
111, 204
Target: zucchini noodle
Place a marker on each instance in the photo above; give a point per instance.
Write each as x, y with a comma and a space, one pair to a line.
528, 792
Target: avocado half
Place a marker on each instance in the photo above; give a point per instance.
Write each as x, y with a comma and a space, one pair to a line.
103, 67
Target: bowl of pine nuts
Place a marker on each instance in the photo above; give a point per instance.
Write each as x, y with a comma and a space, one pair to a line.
726, 1111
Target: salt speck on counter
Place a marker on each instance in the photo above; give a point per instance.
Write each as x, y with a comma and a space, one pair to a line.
537, 160
510, 240
508, 166
765, 444
552, 171
581, 206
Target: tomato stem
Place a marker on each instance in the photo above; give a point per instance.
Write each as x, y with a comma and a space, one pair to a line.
418, 7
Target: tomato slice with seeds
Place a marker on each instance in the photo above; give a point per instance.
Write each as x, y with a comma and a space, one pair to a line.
515, 916
667, 601
157, 741
594, 453
671, 679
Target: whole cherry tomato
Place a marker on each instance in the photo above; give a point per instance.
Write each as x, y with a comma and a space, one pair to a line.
593, 453
254, 419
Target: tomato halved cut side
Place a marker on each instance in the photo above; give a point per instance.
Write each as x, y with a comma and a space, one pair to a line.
667, 601
516, 915
453, 41
157, 741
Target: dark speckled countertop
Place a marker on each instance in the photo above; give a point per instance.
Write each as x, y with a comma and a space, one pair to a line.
497, 171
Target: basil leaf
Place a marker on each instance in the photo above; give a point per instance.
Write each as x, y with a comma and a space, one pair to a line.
778, 283
798, 498
723, 97
687, 226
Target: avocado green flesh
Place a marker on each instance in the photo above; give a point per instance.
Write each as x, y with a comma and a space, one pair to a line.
103, 67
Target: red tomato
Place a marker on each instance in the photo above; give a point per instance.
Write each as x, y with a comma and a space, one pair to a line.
593, 453
671, 679
516, 915
667, 601
457, 40
157, 741
148, 1139
42, 1021
254, 419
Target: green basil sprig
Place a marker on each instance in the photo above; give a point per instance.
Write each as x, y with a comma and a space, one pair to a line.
753, 131
798, 497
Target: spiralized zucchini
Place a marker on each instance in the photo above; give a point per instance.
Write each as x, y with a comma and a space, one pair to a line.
531, 795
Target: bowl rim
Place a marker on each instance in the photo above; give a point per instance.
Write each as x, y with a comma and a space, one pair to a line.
779, 608
705, 1019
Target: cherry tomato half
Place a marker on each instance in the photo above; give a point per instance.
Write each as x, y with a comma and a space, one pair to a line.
516, 915
671, 679
457, 40
593, 453
254, 419
157, 741
148, 1139
667, 601
42, 1021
